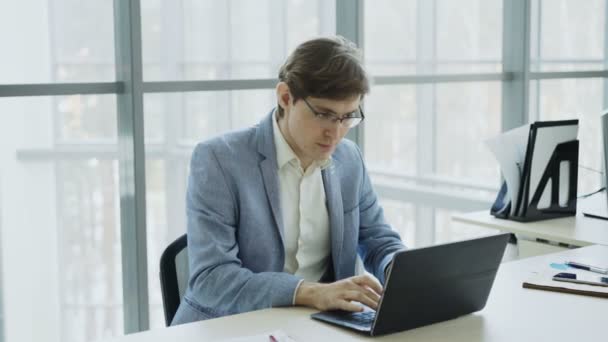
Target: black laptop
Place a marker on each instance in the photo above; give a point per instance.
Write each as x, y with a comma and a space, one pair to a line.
429, 285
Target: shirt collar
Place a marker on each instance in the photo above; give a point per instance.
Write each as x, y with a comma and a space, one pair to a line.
285, 154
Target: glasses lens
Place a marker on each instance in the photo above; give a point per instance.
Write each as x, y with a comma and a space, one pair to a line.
352, 122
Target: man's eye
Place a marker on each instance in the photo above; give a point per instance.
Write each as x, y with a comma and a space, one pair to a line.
324, 116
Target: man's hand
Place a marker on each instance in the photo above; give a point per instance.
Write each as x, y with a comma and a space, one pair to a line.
340, 294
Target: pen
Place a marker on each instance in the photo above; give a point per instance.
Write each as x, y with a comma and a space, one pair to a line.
587, 267
279, 336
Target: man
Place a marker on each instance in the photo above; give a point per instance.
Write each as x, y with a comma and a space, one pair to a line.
278, 212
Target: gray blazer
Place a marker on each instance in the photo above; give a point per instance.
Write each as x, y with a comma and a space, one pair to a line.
235, 226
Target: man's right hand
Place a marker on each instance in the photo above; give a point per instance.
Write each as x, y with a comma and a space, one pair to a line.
340, 294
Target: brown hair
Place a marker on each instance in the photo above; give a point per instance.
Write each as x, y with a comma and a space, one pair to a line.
329, 68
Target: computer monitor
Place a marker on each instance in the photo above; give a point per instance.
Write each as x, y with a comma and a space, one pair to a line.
597, 206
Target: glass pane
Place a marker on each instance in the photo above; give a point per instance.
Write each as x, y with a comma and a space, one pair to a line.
467, 115
568, 35
390, 129
447, 230
86, 118
60, 219
190, 118
390, 36
469, 36
402, 217
233, 39
575, 99
426, 37
57, 41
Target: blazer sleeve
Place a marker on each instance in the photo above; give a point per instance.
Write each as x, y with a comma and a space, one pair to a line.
378, 242
218, 282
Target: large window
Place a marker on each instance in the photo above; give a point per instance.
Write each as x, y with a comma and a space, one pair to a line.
570, 36
208, 40
447, 76
56, 41
60, 238
60, 229
420, 128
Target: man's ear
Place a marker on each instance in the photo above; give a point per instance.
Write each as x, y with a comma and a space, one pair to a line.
283, 95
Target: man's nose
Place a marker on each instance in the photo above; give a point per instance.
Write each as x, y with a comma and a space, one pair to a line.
334, 129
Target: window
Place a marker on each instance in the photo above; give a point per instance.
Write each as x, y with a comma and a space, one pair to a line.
191, 117
573, 46
58, 41
421, 129
568, 35
61, 247
208, 40
583, 99
234, 39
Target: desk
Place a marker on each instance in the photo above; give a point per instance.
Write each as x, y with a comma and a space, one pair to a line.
511, 314
575, 231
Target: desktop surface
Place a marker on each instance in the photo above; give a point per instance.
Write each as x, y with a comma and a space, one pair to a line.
576, 231
511, 314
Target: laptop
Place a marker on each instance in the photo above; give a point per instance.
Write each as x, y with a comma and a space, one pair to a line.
429, 285
597, 205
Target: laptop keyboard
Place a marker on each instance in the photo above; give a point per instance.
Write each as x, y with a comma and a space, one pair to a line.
361, 318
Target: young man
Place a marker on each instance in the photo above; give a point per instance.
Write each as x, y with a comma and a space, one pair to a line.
278, 212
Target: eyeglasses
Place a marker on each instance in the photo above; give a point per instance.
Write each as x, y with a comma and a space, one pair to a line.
328, 119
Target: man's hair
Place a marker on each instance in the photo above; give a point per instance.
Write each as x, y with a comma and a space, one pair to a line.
329, 68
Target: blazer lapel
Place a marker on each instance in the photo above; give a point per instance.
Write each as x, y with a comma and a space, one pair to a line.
269, 173
333, 195
268, 167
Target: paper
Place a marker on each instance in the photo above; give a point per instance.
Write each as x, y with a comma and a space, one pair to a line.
547, 138
509, 150
595, 205
543, 280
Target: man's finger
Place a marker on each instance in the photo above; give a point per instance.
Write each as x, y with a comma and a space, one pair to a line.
349, 306
362, 298
370, 293
365, 280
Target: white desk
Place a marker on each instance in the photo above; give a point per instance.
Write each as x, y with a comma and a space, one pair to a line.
512, 314
574, 231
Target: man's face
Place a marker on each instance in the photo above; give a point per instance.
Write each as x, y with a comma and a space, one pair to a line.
310, 138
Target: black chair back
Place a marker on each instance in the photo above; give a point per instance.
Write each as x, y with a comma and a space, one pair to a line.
174, 276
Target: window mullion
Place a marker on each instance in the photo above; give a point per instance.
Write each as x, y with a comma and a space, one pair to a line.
349, 24
516, 60
426, 113
129, 70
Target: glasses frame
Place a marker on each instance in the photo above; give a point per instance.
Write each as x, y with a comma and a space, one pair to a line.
335, 118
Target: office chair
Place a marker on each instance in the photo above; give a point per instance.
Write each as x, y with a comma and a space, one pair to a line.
174, 274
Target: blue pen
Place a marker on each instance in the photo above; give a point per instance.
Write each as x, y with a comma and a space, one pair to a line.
587, 267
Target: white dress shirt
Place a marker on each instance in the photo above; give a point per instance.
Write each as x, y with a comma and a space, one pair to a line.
305, 218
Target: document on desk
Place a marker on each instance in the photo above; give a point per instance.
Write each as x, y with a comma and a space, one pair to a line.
543, 280
509, 150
